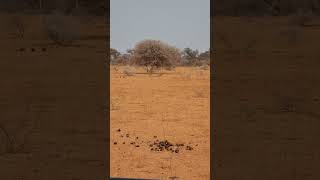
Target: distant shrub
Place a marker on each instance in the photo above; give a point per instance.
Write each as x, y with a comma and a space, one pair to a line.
170, 68
204, 67
128, 71
123, 59
61, 29
190, 57
194, 58
154, 54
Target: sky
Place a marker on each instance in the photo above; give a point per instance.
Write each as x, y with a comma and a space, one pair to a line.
181, 23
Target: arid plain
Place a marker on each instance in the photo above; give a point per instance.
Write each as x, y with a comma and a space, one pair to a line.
147, 109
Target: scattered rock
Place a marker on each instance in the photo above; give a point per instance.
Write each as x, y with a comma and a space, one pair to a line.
115, 143
33, 50
44, 49
174, 178
161, 145
119, 130
137, 146
127, 135
189, 148
167, 146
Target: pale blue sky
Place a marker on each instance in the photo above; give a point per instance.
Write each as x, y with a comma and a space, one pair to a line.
182, 23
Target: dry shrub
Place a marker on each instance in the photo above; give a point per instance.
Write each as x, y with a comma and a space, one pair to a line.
170, 68
61, 29
154, 54
123, 59
115, 69
128, 71
204, 67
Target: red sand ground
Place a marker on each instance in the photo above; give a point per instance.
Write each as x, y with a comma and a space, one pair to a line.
173, 107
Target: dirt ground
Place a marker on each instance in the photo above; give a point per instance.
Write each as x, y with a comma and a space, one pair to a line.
173, 107
266, 106
266, 98
51, 102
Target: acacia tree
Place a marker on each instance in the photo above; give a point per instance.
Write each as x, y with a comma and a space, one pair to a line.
205, 57
190, 56
154, 54
130, 51
114, 54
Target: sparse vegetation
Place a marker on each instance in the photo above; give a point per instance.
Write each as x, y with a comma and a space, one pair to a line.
204, 67
128, 71
114, 55
194, 58
154, 54
189, 56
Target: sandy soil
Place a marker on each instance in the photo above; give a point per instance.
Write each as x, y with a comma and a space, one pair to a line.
266, 95
172, 107
51, 103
